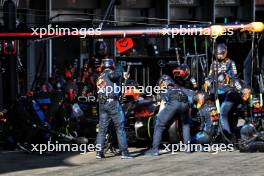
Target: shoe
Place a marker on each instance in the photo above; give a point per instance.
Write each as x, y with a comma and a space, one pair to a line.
99, 155
126, 155
151, 152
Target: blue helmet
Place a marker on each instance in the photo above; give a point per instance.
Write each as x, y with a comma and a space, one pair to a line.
166, 79
221, 49
108, 63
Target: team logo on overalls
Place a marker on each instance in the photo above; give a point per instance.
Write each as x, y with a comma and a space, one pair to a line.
100, 83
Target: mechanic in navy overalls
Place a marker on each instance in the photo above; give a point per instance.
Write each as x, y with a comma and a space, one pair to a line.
110, 108
223, 75
209, 119
174, 101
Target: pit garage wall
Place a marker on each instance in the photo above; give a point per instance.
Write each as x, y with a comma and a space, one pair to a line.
175, 10
135, 12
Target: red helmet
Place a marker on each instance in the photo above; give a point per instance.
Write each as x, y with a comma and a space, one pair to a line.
183, 71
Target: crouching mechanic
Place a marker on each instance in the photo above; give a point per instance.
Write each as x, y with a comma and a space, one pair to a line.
110, 108
208, 115
252, 132
175, 101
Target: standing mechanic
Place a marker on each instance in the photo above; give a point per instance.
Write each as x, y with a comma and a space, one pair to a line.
223, 81
110, 108
175, 101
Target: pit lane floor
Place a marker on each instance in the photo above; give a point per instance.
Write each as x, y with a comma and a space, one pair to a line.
199, 163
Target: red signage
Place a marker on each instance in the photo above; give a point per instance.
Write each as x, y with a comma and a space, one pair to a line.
124, 44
